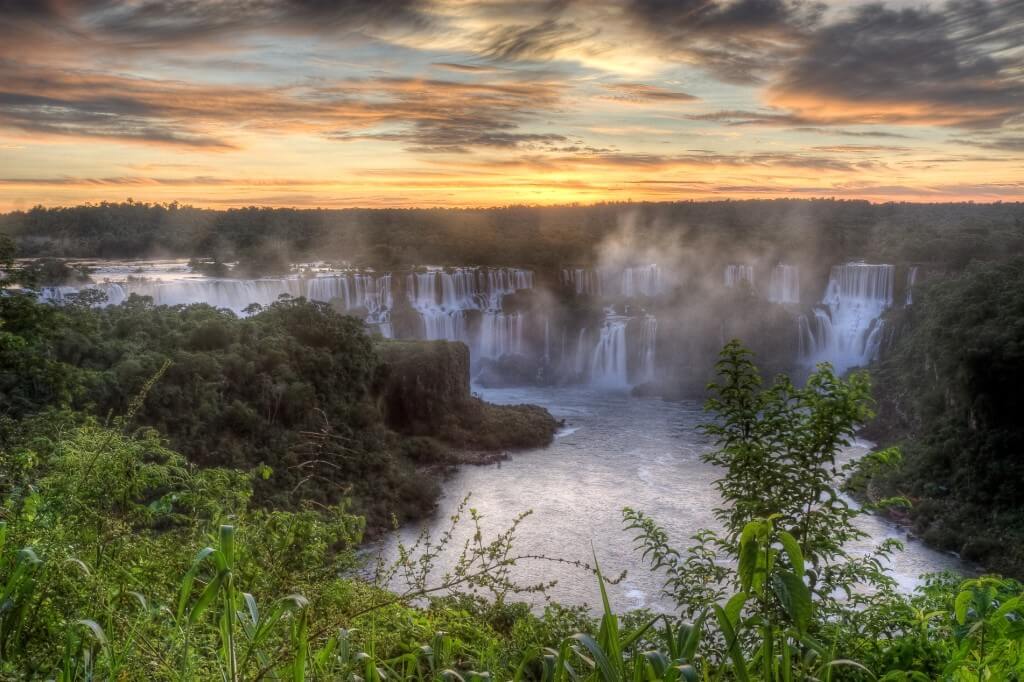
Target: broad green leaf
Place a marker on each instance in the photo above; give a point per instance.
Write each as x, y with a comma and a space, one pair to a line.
792, 547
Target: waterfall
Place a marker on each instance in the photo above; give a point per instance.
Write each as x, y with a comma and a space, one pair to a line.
233, 294
846, 329
629, 282
443, 297
648, 348
441, 325
644, 280
501, 334
421, 288
580, 357
547, 340
442, 320
58, 294
457, 289
583, 281
608, 365
116, 293
735, 274
911, 280
784, 285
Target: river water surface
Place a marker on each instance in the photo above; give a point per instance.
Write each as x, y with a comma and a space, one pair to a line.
614, 451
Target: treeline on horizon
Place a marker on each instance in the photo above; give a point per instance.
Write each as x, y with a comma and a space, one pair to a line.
947, 235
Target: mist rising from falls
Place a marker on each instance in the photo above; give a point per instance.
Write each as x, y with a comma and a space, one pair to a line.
644, 280
648, 349
739, 274
607, 282
784, 285
846, 329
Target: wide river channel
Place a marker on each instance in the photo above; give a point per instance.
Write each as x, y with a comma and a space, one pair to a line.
614, 451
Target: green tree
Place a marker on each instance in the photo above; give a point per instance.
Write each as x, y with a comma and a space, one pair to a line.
785, 525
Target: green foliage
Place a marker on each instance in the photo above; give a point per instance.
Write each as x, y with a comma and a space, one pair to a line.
949, 390
297, 391
779, 449
121, 560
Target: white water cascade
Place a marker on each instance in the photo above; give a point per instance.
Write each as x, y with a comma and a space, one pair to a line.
784, 285
580, 357
627, 282
608, 364
648, 349
735, 274
583, 281
443, 297
501, 334
846, 328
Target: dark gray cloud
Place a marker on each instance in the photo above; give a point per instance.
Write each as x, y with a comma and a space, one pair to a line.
961, 66
1003, 143
853, 133
463, 68
534, 42
739, 117
459, 135
120, 118
427, 115
151, 24
678, 17
641, 92
705, 158
739, 41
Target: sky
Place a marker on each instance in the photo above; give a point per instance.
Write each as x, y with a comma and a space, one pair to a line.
372, 103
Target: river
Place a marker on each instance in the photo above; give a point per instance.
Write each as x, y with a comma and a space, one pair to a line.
614, 451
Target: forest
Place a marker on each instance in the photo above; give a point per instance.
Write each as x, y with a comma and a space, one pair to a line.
944, 235
186, 492
947, 392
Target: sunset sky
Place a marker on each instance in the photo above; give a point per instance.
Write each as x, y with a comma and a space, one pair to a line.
455, 103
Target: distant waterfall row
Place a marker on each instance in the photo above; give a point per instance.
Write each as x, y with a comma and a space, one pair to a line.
629, 282
648, 281
441, 297
616, 349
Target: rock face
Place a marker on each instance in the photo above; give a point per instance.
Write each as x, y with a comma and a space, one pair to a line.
425, 392
425, 382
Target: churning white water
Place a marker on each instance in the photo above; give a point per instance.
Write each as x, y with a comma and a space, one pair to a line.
846, 329
615, 451
608, 366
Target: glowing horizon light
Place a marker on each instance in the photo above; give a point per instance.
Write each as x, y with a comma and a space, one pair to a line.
449, 103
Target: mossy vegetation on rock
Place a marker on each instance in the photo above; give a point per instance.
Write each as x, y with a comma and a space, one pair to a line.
426, 392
